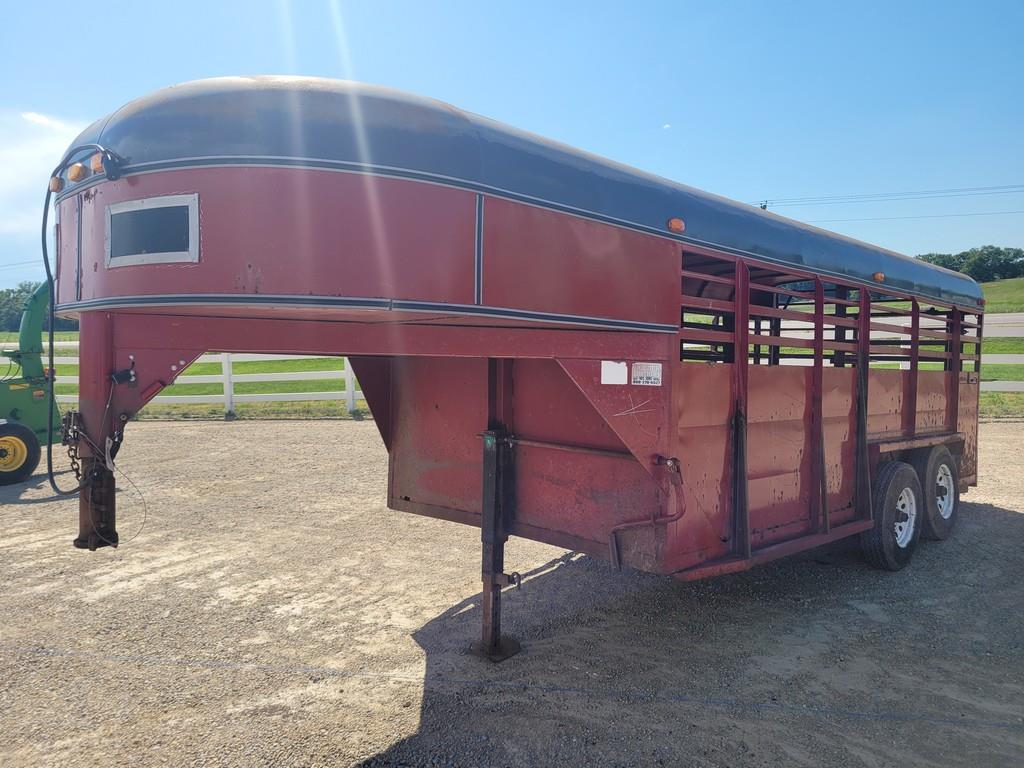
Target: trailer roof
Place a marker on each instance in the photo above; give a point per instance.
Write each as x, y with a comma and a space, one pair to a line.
349, 126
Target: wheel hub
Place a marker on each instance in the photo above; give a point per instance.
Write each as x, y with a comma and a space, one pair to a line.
13, 453
906, 518
944, 497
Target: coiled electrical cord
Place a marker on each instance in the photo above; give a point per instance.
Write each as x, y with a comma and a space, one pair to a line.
111, 166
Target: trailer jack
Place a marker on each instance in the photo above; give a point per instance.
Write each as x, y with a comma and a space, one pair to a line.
96, 504
496, 509
96, 512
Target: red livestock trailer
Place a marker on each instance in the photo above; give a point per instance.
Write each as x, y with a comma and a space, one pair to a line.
553, 345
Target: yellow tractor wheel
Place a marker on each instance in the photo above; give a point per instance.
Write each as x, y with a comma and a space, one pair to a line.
19, 452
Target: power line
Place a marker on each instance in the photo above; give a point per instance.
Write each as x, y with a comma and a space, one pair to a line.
775, 204
925, 216
892, 194
878, 196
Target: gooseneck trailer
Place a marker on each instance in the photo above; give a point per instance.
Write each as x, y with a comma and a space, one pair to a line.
552, 345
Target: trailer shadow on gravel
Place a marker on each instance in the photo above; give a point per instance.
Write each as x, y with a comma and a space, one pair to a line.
812, 660
28, 491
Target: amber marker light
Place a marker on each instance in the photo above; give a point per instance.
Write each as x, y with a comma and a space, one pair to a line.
77, 172
879, 277
96, 163
56, 183
676, 225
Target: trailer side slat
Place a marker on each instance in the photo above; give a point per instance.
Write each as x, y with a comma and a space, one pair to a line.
802, 317
701, 276
699, 302
717, 337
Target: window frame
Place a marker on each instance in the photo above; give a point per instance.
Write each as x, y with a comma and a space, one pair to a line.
190, 256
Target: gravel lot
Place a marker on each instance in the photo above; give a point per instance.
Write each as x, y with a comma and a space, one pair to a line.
273, 612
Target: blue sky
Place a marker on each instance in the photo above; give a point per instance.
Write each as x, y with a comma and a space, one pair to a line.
751, 100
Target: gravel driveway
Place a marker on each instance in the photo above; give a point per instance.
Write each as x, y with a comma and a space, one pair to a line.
273, 612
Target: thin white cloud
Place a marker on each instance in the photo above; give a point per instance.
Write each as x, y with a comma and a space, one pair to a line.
31, 144
44, 120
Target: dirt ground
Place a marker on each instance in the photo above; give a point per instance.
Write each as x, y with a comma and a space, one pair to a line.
273, 612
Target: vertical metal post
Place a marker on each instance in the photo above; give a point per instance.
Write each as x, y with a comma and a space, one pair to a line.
978, 334
350, 387
775, 329
862, 489
229, 385
839, 356
910, 393
497, 506
956, 349
741, 344
819, 487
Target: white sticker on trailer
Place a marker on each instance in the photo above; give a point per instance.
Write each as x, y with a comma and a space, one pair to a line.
613, 372
647, 374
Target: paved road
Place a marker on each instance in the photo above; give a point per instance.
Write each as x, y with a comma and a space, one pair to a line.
1002, 386
1005, 324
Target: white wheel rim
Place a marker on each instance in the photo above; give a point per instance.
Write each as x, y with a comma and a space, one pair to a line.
944, 494
906, 517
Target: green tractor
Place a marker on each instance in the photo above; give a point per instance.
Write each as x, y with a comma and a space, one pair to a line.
25, 398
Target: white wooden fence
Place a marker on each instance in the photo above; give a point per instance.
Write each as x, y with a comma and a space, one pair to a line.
227, 377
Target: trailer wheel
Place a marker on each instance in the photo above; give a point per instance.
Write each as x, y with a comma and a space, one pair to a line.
19, 452
898, 506
940, 480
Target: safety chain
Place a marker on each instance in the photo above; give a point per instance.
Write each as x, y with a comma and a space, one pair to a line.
73, 458
69, 434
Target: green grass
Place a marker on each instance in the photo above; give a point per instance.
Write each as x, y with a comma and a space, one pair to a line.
242, 388
996, 405
1004, 295
1002, 373
69, 373
325, 409
1000, 296
270, 366
213, 369
1002, 346
58, 336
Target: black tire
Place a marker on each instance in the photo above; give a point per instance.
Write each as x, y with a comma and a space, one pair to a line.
882, 546
940, 481
19, 452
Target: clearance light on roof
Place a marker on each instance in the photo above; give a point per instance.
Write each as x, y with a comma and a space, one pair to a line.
878, 277
676, 225
77, 172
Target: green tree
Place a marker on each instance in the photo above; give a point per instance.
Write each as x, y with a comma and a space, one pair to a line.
991, 263
12, 303
947, 260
